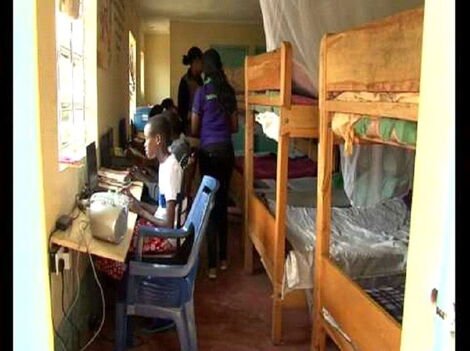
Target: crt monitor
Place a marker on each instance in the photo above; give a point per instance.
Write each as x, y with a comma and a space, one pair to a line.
92, 167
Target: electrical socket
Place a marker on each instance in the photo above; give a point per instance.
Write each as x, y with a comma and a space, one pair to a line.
62, 254
52, 261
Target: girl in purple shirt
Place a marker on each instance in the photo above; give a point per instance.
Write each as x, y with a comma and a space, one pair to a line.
213, 120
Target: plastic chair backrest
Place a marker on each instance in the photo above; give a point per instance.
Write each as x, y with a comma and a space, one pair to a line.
185, 192
198, 216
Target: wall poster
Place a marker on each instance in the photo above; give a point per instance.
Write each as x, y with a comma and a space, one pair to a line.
104, 34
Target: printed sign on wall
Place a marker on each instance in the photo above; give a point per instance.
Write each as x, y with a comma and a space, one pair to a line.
104, 34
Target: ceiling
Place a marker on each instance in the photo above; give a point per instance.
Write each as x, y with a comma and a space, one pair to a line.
156, 14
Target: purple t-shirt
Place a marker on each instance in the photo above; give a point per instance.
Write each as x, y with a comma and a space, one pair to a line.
215, 127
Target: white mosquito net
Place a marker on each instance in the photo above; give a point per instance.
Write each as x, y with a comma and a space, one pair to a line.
304, 22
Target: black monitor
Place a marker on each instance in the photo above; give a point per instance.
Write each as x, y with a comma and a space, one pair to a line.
123, 137
111, 140
108, 159
105, 150
92, 166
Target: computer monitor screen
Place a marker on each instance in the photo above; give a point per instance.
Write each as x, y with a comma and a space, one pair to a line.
92, 167
105, 152
110, 139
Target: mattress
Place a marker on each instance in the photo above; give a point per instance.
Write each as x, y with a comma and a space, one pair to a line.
365, 243
301, 192
390, 298
265, 167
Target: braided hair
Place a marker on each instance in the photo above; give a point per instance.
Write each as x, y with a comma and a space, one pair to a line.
213, 69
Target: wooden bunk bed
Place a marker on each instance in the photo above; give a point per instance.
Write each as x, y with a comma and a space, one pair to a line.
272, 71
304, 145
383, 57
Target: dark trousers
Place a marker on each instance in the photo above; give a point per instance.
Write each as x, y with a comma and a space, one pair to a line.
217, 160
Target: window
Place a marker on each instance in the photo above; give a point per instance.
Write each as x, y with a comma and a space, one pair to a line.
70, 82
132, 76
142, 79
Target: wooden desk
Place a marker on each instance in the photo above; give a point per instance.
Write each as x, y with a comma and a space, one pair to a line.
75, 240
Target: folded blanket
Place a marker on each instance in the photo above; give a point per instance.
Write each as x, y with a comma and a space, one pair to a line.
350, 126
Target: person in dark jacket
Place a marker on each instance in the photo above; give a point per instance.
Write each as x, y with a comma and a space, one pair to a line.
213, 120
189, 83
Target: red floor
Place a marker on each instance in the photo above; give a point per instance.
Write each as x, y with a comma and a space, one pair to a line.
232, 313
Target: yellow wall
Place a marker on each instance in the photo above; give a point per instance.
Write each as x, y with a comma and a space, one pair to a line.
432, 215
157, 68
184, 35
60, 187
103, 111
113, 82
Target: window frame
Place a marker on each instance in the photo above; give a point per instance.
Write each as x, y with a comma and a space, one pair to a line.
71, 147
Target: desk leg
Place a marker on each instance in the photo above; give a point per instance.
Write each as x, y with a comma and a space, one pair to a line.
120, 343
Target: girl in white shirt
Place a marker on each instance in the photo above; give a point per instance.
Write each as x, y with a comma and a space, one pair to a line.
157, 135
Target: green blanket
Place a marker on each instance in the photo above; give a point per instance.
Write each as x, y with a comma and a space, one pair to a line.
405, 131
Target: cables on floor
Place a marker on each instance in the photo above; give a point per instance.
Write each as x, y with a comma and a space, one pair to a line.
103, 302
56, 333
77, 293
66, 315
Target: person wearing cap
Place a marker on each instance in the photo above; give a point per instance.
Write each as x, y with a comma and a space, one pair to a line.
189, 83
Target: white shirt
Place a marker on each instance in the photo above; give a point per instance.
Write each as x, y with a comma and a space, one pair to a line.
170, 176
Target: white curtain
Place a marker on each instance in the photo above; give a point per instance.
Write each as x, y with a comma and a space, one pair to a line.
303, 23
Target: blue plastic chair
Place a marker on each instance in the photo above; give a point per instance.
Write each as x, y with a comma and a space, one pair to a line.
162, 290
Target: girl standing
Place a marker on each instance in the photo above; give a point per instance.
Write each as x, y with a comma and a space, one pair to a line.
213, 120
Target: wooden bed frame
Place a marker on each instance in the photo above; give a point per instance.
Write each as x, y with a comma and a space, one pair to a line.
263, 231
383, 56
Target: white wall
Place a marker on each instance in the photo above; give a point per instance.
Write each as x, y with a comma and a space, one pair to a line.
32, 308
433, 212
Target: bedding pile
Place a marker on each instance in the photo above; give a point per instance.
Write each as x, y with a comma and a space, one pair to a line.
350, 126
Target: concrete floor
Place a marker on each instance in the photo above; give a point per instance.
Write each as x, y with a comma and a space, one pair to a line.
232, 313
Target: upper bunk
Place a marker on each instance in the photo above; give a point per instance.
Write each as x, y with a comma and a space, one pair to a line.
373, 96
268, 83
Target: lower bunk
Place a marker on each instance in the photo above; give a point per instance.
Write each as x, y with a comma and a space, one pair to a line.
369, 245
